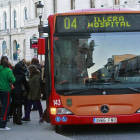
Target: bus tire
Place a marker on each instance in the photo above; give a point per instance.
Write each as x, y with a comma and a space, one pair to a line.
56, 128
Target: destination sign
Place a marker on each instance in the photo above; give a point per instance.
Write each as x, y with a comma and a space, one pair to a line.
97, 23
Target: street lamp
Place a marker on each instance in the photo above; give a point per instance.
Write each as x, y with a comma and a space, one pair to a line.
39, 7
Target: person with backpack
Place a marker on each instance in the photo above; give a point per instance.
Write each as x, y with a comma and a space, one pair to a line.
6, 79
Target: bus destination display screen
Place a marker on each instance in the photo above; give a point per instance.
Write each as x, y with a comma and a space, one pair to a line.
98, 23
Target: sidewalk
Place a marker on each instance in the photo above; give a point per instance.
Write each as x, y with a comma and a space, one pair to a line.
32, 130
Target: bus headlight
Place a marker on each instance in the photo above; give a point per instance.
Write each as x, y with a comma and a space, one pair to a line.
62, 111
53, 111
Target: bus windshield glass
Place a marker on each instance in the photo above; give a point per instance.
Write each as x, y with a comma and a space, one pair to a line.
97, 63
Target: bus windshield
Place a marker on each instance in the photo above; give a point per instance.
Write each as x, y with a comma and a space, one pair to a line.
97, 63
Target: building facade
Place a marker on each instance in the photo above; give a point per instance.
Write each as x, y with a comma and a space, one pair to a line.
12, 32
19, 21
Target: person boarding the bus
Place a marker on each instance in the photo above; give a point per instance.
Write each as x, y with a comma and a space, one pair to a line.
34, 94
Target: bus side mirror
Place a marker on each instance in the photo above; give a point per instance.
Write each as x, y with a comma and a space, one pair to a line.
41, 46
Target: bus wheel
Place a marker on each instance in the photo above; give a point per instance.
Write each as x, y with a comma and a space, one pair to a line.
56, 128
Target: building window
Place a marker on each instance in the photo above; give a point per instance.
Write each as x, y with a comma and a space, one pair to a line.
55, 6
72, 4
92, 3
36, 9
4, 48
5, 20
15, 19
25, 13
15, 46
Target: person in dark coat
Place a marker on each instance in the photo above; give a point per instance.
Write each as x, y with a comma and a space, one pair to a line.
17, 93
24, 67
35, 62
25, 70
34, 94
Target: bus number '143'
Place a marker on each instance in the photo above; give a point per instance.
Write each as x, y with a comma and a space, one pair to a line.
68, 24
56, 102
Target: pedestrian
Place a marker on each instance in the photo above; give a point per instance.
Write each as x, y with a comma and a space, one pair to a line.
34, 94
10, 67
23, 64
15, 56
35, 62
17, 93
24, 60
6, 78
10, 114
28, 63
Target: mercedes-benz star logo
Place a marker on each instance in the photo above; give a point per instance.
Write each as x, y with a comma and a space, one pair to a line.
104, 108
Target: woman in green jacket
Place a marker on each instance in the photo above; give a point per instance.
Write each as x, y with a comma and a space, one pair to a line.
6, 79
34, 94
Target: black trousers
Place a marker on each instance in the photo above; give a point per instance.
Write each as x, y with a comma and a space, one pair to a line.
25, 101
5, 98
17, 113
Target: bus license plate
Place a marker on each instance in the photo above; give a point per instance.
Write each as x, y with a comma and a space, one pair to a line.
105, 120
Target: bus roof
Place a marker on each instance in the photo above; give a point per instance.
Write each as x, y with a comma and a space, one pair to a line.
102, 9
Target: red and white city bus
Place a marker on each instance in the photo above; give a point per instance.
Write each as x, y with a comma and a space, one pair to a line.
101, 43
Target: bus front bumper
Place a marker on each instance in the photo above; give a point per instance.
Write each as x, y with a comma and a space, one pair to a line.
73, 119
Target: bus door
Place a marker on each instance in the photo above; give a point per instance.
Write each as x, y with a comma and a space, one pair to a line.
43, 49
47, 76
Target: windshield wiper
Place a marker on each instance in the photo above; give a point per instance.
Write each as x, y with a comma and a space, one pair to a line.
134, 89
72, 92
79, 91
101, 83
